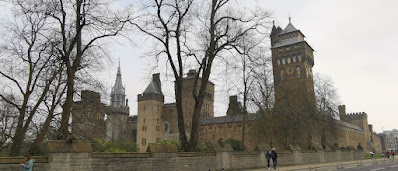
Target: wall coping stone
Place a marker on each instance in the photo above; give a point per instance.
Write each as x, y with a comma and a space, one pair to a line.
162, 148
195, 154
120, 155
308, 151
61, 146
21, 159
246, 153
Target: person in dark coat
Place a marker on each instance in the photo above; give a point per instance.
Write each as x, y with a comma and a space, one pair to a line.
268, 157
274, 156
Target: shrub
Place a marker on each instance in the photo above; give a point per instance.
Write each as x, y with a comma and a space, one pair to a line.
237, 145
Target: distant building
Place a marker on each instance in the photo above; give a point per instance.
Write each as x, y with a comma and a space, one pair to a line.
391, 139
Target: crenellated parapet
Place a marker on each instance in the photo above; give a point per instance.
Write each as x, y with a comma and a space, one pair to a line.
357, 115
124, 110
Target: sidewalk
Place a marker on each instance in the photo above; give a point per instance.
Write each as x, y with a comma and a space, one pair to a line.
322, 166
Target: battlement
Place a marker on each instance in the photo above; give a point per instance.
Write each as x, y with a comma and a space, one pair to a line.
357, 115
124, 110
92, 96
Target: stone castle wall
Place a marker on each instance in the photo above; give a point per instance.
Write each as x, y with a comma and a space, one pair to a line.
78, 157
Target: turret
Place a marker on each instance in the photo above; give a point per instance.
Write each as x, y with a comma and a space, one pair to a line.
149, 119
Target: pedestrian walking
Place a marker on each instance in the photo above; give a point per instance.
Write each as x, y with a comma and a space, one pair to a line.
28, 165
392, 154
268, 157
274, 157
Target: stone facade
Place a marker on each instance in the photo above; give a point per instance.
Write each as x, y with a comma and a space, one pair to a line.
150, 128
78, 157
88, 116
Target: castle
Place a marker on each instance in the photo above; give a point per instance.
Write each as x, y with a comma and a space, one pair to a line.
292, 61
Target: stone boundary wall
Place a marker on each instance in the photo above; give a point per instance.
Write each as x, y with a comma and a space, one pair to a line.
165, 161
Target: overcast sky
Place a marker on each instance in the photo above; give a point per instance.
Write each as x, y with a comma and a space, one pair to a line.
355, 43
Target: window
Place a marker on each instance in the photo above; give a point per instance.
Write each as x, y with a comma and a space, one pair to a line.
157, 128
157, 140
166, 127
144, 120
296, 46
289, 60
143, 128
143, 141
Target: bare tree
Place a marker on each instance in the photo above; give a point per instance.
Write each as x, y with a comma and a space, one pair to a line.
242, 71
27, 59
81, 27
8, 122
219, 28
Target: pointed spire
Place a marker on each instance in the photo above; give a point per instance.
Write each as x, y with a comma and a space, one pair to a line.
118, 70
118, 90
290, 19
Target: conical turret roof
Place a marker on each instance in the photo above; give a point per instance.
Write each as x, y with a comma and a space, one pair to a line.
152, 88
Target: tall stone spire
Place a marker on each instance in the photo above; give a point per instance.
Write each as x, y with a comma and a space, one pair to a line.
118, 91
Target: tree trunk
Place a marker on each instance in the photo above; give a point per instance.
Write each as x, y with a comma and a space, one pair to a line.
181, 125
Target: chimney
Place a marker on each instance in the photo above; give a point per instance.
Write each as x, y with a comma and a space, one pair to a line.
191, 73
156, 80
127, 102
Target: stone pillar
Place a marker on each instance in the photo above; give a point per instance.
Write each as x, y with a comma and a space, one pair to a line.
74, 156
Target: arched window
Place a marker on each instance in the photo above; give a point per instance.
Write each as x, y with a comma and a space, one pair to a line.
278, 61
283, 61
289, 60
298, 71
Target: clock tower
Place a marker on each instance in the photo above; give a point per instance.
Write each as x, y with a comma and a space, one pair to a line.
292, 61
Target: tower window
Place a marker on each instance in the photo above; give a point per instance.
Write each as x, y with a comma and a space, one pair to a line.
283, 61
294, 58
143, 128
289, 60
298, 71
143, 141
278, 61
157, 128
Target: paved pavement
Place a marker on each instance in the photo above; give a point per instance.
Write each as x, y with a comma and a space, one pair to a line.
364, 165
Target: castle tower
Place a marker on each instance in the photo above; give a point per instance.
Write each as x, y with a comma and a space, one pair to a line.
118, 111
149, 121
118, 91
188, 101
292, 61
88, 116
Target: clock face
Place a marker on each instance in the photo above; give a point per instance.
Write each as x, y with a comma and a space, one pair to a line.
289, 70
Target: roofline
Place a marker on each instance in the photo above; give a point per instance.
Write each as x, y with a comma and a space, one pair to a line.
294, 43
291, 32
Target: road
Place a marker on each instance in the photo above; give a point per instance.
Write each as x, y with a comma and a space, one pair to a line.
367, 165
388, 166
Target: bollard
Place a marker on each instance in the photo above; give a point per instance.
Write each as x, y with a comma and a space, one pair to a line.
315, 166
341, 162
360, 159
278, 167
337, 164
309, 165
